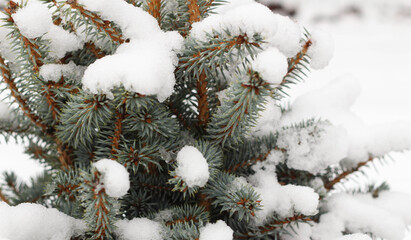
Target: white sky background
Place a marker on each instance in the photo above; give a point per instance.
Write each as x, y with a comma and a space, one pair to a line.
376, 51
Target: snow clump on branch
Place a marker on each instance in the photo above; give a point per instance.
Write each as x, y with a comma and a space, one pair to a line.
115, 178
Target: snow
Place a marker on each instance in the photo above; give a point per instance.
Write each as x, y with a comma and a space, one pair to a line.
5, 42
315, 147
115, 178
284, 201
250, 18
271, 64
54, 72
388, 137
216, 231
62, 41
135, 65
139, 229
5, 113
386, 216
301, 231
192, 167
356, 236
321, 50
33, 20
36, 222
269, 118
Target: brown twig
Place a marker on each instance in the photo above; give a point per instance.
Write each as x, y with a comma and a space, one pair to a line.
154, 8
4, 198
297, 59
16, 94
203, 108
274, 225
343, 175
117, 132
102, 25
94, 50
194, 11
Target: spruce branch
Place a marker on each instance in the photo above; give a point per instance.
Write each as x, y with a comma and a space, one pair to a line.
232, 197
193, 11
330, 184
6, 74
154, 8
101, 25
120, 115
3, 197
98, 53
296, 68
203, 108
272, 228
239, 112
99, 207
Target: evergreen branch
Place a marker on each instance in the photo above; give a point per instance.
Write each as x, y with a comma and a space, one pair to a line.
6, 74
11, 128
188, 214
271, 228
51, 100
118, 128
42, 153
193, 11
329, 185
98, 53
179, 116
205, 55
296, 68
232, 196
203, 108
297, 60
100, 24
141, 155
260, 158
243, 155
4, 198
240, 110
154, 8
99, 207
31, 49
64, 155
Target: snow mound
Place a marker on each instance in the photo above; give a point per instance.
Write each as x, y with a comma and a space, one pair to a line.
33, 20
271, 64
192, 167
216, 231
250, 18
315, 147
139, 229
115, 178
283, 201
36, 222
322, 49
145, 64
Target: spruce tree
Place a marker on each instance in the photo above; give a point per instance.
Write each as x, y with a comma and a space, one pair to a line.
165, 119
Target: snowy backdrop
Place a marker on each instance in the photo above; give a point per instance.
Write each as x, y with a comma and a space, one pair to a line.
372, 44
